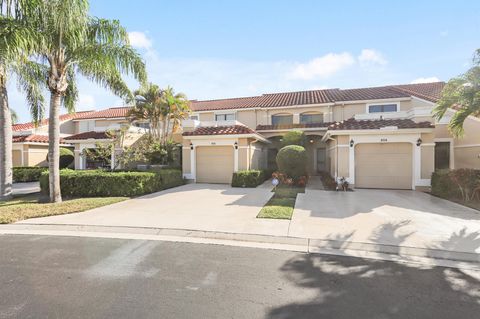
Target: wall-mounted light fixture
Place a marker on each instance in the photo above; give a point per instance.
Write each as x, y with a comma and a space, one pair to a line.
191, 146
311, 141
352, 142
419, 142
236, 145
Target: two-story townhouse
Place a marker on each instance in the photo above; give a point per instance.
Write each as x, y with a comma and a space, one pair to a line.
380, 137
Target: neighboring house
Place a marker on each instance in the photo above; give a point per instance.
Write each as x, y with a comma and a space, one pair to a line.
380, 137
30, 142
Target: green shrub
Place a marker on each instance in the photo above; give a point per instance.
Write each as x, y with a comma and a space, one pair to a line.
294, 137
250, 178
98, 183
27, 174
66, 157
292, 161
460, 184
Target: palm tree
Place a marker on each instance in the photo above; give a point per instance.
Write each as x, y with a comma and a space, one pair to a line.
16, 41
463, 95
70, 43
178, 108
150, 105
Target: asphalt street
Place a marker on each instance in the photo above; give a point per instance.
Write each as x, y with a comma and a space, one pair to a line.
69, 277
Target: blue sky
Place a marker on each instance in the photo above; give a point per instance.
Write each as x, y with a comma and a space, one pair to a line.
217, 49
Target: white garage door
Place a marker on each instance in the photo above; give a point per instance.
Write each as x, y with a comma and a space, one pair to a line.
214, 164
383, 166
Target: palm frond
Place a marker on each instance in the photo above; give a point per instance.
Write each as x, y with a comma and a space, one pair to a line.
71, 95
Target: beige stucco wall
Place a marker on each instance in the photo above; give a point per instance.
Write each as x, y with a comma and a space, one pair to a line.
207, 116
17, 158
427, 154
36, 155
331, 156
248, 118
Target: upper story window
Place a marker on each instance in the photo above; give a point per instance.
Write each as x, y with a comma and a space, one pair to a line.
225, 117
281, 119
383, 108
308, 118
144, 125
194, 117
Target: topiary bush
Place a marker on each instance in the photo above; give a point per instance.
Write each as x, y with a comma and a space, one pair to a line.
98, 183
248, 178
27, 174
294, 137
66, 157
292, 161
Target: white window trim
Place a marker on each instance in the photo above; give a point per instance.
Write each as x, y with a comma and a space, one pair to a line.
452, 155
367, 109
225, 113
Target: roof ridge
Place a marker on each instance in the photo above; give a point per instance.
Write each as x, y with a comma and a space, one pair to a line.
224, 99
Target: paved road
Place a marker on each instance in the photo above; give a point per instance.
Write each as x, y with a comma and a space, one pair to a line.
67, 277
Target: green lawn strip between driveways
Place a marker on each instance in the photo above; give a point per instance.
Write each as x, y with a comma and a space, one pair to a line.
24, 207
281, 205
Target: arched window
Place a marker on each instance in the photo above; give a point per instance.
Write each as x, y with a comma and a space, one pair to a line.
282, 119
311, 117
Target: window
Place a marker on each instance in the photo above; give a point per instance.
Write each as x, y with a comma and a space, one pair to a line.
194, 117
144, 125
311, 118
225, 117
442, 155
382, 108
282, 119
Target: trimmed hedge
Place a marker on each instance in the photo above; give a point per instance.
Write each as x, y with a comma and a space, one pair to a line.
457, 184
98, 183
28, 174
250, 178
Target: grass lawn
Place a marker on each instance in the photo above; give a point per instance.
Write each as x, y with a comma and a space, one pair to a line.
278, 208
23, 207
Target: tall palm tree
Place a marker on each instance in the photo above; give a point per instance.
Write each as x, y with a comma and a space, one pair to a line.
461, 93
72, 43
16, 42
178, 108
150, 105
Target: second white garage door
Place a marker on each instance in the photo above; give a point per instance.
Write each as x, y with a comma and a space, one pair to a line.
383, 166
214, 164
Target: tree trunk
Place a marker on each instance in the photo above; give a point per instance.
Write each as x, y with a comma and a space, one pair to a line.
54, 147
5, 144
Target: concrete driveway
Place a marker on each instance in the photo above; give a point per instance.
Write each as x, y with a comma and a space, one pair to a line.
386, 217
208, 207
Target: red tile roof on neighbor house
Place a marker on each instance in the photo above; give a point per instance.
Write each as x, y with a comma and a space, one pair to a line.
63, 117
220, 130
427, 91
32, 138
353, 124
88, 135
113, 112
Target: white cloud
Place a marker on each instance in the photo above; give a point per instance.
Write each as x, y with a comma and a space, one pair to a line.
323, 67
370, 57
86, 102
139, 40
425, 80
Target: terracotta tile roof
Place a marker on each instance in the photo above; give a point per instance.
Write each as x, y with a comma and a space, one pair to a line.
428, 91
113, 112
33, 138
292, 126
88, 135
220, 130
63, 117
353, 124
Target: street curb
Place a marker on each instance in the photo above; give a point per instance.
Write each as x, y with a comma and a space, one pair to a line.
433, 257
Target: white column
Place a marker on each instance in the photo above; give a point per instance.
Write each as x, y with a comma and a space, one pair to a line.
193, 164
296, 118
417, 161
235, 159
351, 164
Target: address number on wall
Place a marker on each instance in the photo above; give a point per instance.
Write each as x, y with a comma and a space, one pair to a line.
383, 140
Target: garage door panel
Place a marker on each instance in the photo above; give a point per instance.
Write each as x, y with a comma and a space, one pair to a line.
383, 166
214, 164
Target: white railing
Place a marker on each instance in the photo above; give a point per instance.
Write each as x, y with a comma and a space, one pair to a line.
379, 115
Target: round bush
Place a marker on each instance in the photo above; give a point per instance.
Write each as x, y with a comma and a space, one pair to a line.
292, 161
66, 157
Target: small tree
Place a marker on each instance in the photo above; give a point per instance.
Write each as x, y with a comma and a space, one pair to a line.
292, 161
294, 138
